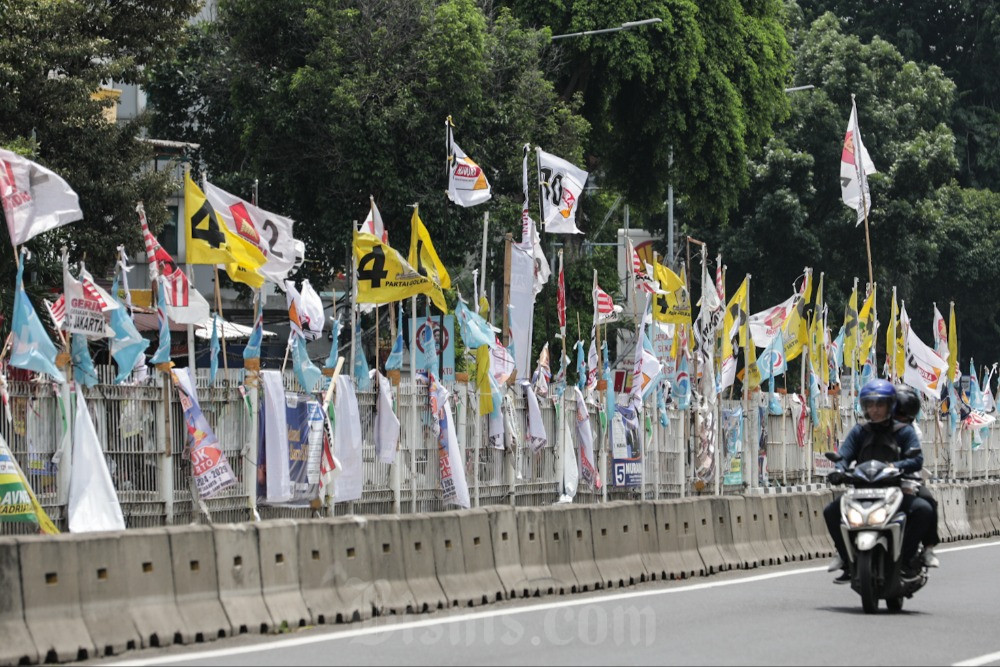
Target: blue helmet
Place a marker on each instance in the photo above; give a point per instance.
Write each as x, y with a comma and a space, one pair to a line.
878, 391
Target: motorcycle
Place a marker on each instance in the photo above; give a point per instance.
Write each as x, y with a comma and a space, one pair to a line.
873, 526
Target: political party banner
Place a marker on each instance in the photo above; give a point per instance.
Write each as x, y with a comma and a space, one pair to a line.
212, 473
626, 452
17, 501
732, 441
826, 434
304, 426
444, 342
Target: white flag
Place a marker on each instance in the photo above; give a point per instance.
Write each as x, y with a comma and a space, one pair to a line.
372, 224
924, 368
765, 325
268, 232
312, 312
34, 198
561, 184
93, 502
940, 335
467, 184
855, 166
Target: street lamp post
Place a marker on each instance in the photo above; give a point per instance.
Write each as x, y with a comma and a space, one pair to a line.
624, 26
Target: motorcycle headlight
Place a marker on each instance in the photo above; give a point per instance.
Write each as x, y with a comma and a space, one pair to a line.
854, 518
878, 517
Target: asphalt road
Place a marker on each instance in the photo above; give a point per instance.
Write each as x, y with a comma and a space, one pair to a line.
785, 615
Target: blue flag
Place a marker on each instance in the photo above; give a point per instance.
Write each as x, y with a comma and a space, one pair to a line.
331, 359
475, 331
162, 354
361, 373
31, 348
305, 370
581, 371
214, 350
83, 366
252, 349
128, 345
772, 361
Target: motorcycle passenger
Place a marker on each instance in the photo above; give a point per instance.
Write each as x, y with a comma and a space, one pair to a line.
907, 409
881, 438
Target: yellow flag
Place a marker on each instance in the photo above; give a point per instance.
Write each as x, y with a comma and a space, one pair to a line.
851, 330
675, 306
890, 336
735, 317
17, 500
483, 356
210, 242
384, 276
900, 346
953, 372
423, 257
751, 369
817, 337
866, 320
794, 329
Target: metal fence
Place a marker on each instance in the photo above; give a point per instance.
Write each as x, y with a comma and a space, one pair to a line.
142, 431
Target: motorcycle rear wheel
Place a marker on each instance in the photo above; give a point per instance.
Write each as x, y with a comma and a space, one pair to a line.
867, 586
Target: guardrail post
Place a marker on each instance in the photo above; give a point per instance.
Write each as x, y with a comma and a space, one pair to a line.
165, 463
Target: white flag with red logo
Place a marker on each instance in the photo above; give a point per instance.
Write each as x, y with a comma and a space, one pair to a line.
643, 280
855, 166
84, 304
765, 325
34, 198
185, 305
467, 184
372, 224
268, 232
605, 309
561, 186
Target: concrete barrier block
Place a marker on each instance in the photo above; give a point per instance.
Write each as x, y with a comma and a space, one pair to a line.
790, 525
237, 560
152, 602
104, 594
545, 572
477, 548
804, 520
654, 560
567, 543
458, 585
417, 534
961, 512
704, 528
278, 546
615, 529
675, 526
943, 530
16, 646
385, 543
993, 500
320, 569
816, 502
506, 549
196, 581
748, 531
765, 508
974, 510
50, 589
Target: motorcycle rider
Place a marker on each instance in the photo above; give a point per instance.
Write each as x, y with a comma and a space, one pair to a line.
907, 409
883, 439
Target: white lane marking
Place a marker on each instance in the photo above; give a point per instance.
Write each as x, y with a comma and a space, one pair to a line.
202, 656
981, 660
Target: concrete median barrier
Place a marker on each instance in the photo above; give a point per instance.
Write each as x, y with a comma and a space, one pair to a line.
152, 602
196, 581
544, 572
762, 512
943, 531
320, 569
993, 501
506, 550
615, 530
748, 529
51, 594
791, 525
445, 533
654, 560
278, 546
704, 529
104, 593
733, 510
675, 526
418, 559
477, 548
385, 543
16, 646
567, 543
237, 561
816, 502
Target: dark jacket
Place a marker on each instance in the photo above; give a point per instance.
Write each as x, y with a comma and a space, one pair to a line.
894, 442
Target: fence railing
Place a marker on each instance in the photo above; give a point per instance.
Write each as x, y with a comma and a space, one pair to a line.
142, 431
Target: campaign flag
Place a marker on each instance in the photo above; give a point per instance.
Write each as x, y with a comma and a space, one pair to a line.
924, 368
643, 280
855, 167
384, 276
672, 304
767, 324
93, 503
128, 346
362, 374
18, 503
306, 371
35, 199
467, 184
185, 305
794, 330
868, 324
209, 465
585, 442
475, 331
561, 298
83, 366
214, 350
605, 310
529, 234
581, 372
31, 348
269, 233
849, 356
543, 374
940, 335
85, 304
561, 185
162, 354
953, 372
334, 356
423, 257
451, 461
372, 224
772, 360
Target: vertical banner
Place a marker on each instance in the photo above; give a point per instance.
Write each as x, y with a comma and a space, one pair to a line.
444, 342
522, 301
212, 473
732, 441
304, 427
626, 454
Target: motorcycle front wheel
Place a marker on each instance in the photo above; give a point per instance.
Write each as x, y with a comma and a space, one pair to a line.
894, 604
867, 584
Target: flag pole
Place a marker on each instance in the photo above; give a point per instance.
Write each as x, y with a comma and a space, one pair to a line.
354, 306
482, 265
218, 307
862, 182
750, 465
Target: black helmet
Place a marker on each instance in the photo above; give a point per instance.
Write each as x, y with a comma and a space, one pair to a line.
907, 402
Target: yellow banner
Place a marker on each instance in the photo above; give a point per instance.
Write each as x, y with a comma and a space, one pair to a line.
736, 315
851, 331
423, 257
817, 338
18, 503
953, 373
384, 276
794, 329
209, 241
866, 320
675, 306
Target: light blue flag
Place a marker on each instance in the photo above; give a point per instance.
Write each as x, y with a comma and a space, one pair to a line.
162, 354
610, 391
661, 405
362, 378
771, 362
975, 392
773, 402
395, 360
682, 383
83, 366
427, 352
214, 350
581, 370
475, 331
558, 386
813, 395
331, 359
128, 345
252, 349
305, 370
31, 348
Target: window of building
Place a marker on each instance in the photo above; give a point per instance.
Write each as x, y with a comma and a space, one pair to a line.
168, 237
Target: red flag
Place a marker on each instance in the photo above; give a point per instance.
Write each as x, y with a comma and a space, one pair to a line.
561, 298
603, 302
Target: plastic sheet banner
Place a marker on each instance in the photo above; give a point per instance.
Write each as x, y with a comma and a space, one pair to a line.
304, 421
626, 463
825, 437
732, 441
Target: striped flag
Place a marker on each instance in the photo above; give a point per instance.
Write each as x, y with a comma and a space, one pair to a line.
603, 301
561, 298
57, 310
185, 305
643, 280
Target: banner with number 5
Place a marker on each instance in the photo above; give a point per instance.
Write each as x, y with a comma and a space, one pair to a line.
269, 232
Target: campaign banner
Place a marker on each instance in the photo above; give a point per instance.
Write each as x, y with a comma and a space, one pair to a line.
304, 428
825, 438
212, 473
444, 342
732, 441
626, 452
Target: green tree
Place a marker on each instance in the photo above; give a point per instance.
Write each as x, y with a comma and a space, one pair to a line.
53, 57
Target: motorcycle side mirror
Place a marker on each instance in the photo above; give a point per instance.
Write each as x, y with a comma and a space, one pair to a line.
834, 456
